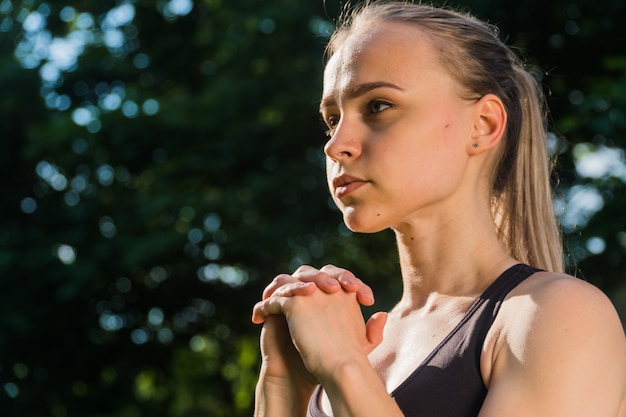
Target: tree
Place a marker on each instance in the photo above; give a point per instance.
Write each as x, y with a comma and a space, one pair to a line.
162, 161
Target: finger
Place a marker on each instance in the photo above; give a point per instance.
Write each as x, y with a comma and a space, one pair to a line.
350, 283
304, 268
321, 279
295, 288
365, 295
264, 309
304, 273
277, 282
272, 305
347, 279
374, 329
258, 314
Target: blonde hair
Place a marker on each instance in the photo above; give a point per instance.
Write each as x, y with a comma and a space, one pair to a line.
473, 54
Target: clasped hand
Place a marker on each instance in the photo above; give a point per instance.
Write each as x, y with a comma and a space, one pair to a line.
313, 323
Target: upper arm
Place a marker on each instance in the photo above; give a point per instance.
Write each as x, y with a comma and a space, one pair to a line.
561, 352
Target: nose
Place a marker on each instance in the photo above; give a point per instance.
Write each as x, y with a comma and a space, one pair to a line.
344, 143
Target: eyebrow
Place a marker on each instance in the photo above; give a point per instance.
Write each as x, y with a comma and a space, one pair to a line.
358, 91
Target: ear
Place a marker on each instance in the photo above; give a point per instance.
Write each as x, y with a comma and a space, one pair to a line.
489, 124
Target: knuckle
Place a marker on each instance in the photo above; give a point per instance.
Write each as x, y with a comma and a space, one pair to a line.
347, 276
330, 267
277, 282
303, 268
331, 271
306, 273
280, 279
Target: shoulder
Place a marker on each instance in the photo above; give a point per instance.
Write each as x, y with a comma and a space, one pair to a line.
561, 309
559, 300
556, 308
560, 335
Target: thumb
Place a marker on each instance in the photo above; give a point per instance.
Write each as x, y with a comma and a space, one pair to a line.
374, 331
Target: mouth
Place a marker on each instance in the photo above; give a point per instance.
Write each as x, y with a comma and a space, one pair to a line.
344, 185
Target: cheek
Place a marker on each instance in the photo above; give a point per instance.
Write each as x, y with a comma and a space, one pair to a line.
437, 163
447, 171
450, 139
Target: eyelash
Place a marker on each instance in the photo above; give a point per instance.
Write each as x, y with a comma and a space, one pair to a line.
333, 120
373, 103
331, 123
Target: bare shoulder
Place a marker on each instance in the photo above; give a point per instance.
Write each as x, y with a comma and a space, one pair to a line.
558, 345
561, 297
562, 307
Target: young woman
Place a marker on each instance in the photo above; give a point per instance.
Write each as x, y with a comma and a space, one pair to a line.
437, 132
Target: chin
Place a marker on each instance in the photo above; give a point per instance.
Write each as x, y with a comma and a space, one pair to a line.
363, 227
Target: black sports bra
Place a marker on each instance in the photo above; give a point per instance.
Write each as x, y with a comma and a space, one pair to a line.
448, 383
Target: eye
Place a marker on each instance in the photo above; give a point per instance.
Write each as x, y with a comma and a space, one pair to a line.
378, 106
331, 123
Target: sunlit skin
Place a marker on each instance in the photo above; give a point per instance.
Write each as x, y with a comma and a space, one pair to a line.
396, 117
408, 150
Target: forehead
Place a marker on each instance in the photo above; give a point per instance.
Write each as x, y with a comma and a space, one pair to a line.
398, 53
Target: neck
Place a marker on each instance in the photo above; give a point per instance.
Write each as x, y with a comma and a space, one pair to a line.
458, 257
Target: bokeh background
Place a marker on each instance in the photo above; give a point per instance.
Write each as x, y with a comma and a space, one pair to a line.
162, 160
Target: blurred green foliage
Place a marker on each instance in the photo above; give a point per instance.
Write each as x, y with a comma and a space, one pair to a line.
162, 161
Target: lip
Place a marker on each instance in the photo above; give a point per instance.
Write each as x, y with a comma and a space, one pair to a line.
345, 184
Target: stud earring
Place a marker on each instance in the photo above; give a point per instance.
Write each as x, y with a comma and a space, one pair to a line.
475, 146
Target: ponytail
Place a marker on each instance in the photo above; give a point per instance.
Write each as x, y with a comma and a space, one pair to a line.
524, 213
